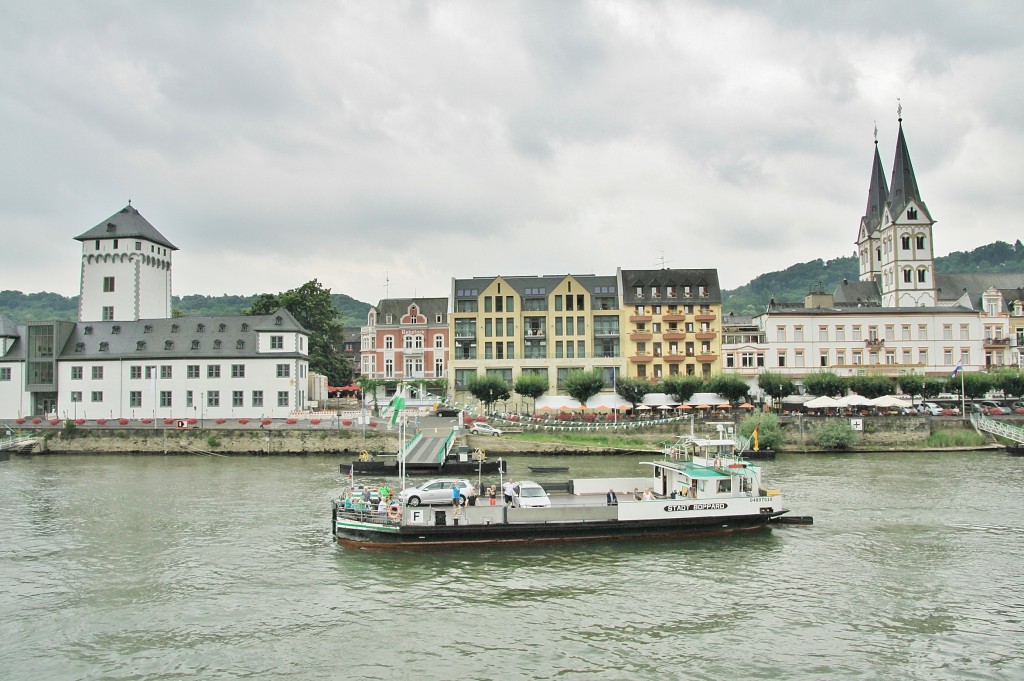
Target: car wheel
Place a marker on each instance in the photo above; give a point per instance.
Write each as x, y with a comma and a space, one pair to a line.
413, 501
495, 434
462, 500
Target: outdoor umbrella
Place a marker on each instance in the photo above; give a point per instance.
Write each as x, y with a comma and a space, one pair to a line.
824, 402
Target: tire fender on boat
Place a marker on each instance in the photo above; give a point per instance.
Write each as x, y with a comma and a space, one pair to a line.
394, 512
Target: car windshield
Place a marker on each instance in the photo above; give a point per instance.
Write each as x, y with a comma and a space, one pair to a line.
532, 492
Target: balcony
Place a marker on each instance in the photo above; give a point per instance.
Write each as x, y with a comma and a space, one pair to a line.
641, 336
465, 334
704, 317
674, 335
997, 342
640, 318
642, 358
705, 335
534, 333
875, 342
706, 358
675, 357
674, 317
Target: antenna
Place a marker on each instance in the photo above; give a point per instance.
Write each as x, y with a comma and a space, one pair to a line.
387, 286
661, 262
899, 109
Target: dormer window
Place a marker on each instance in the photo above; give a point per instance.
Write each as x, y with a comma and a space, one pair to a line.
200, 327
115, 329
148, 328
168, 344
111, 227
104, 346
222, 327
141, 345
388, 319
79, 346
174, 328
245, 326
911, 213
216, 344
240, 344
87, 331
195, 345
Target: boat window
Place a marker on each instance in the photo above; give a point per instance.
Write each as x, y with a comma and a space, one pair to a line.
725, 486
746, 484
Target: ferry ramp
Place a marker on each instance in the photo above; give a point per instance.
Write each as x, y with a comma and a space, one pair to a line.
1004, 430
18, 444
428, 450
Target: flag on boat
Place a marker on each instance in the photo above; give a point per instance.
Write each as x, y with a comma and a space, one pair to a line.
957, 369
757, 446
351, 471
397, 403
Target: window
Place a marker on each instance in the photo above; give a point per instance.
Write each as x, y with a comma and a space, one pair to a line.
108, 313
135, 398
856, 332
188, 399
237, 371
165, 371
192, 371
389, 342
5, 373
782, 358
96, 396
922, 332
213, 371
277, 342
97, 373
284, 370
857, 357
907, 276
213, 398
76, 373
165, 398
905, 243
236, 398
840, 332
947, 332
822, 333
76, 396
922, 275
798, 333
257, 398
282, 398
780, 334
135, 372
920, 241
438, 341
823, 358
108, 284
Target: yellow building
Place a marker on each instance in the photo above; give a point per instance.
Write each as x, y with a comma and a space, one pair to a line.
673, 322
549, 325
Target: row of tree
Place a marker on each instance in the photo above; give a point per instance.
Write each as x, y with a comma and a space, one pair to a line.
975, 384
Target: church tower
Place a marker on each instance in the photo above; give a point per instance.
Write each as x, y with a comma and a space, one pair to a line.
894, 243
126, 270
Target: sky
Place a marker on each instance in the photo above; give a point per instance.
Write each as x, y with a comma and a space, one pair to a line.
384, 148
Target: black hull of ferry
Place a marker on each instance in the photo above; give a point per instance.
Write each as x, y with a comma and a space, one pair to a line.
413, 537
448, 468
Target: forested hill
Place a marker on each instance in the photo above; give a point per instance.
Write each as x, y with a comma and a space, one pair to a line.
794, 282
23, 307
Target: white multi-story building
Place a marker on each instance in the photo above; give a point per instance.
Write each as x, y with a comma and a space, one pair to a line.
127, 357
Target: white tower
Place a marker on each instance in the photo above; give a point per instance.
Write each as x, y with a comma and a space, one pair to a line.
126, 270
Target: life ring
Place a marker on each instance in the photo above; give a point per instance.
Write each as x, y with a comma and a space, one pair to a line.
364, 455
394, 512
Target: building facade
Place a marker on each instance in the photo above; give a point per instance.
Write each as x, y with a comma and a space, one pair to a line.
406, 339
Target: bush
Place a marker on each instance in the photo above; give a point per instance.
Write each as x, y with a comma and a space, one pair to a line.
769, 432
213, 442
835, 434
69, 428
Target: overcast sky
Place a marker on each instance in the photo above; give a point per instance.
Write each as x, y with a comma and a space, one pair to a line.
361, 143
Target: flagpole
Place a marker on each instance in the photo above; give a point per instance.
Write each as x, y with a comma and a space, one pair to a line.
963, 398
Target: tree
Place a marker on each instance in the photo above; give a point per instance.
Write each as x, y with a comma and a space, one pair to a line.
311, 306
488, 389
931, 387
632, 390
369, 387
681, 388
777, 386
769, 432
584, 384
835, 434
975, 383
825, 383
531, 385
871, 386
732, 388
1010, 381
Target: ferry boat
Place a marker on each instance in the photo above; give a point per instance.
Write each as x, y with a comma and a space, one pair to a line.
700, 486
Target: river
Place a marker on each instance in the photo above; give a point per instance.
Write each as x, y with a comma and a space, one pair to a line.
151, 567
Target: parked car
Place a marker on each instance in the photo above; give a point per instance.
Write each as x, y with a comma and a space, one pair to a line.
446, 411
528, 494
932, 408
994, 408
437, 491
484, 429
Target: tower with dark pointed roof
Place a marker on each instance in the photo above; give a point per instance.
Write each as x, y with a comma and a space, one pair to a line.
894, 243
126, 270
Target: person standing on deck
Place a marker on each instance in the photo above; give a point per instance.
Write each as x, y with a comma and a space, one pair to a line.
612, 499
455, 494
507, 490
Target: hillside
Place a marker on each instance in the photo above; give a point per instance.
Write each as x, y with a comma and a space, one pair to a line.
24, 307
794, 282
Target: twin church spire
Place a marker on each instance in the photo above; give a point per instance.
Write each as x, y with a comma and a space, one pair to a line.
894, 243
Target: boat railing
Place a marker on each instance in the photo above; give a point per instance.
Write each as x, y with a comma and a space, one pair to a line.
365, 514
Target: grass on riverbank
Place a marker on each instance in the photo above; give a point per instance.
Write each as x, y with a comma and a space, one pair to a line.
955, 438
587, 439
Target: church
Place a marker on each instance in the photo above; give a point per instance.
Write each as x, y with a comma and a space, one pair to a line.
128, 357
901, 316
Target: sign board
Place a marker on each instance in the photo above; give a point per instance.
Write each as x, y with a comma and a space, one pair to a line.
857, 424
182, 424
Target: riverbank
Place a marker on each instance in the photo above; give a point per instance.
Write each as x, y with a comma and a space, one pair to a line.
878, 434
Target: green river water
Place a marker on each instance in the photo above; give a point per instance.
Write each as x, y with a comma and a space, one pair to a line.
151, 567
